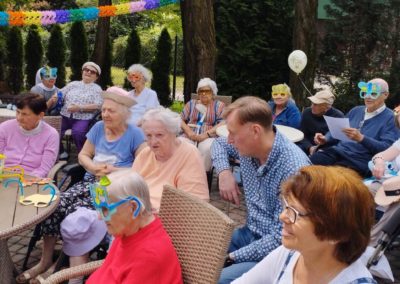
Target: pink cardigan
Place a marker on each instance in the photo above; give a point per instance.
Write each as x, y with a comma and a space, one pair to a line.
36, 153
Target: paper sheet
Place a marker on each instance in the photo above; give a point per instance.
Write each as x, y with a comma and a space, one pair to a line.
336, 125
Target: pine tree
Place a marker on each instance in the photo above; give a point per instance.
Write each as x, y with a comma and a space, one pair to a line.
33, 56
3, 52
56, 53
79, 50
161, 67
254, 39
132, 53
15, 59
105, 78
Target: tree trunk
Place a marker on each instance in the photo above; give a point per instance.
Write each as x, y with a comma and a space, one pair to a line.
305, 39
199, 46
100, 45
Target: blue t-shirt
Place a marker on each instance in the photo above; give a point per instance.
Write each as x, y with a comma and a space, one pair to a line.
120, 152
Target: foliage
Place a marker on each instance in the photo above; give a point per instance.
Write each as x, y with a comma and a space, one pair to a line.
253, 41
3, 52
132, 52
177, 106
33, 56
79, 50
105, 78
56, 54
354, 48
161, 67
15, 59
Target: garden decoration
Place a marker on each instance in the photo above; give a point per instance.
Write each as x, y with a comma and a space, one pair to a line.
297, 61
98, 192
23, 18
37, 200
10, 172
371, 90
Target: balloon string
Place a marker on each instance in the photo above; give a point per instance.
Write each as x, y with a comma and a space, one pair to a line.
304, 85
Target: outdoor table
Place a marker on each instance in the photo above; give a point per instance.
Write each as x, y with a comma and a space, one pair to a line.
16, 218
291, 133
7, 112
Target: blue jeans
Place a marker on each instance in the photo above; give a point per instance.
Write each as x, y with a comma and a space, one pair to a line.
240, 238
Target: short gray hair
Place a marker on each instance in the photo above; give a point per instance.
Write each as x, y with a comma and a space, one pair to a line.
126, 183
171, 120
123, 110
141, 69
207, 82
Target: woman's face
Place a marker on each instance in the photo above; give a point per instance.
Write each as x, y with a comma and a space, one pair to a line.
136, 79
112, 115
122, 220
49, 83
205, 95
300, 235
27, 119
159, 139
280, 99
89, 75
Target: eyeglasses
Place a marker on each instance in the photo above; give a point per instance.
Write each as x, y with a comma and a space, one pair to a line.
204, 92
91, 72
48, 77
134, 77
373, 96
291, 213
275, 95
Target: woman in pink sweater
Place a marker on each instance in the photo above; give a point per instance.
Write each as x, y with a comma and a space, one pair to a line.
28, 141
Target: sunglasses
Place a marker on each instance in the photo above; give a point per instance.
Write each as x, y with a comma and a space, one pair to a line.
91, 72
275, 95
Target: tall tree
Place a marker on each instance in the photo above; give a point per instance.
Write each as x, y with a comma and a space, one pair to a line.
161, 67
79, 50
253, 41
101, 41
305, 39
56, 53
15, 59
199, 42
33, 55
132, 52
105, 79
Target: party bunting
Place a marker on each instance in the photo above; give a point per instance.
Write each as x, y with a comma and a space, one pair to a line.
24, 18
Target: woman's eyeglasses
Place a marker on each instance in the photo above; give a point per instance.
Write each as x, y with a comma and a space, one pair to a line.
49, 77
204, 92
91, 72
291, 213
275, 95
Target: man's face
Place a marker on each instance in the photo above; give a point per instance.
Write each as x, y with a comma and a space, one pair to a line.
374, 104
240, 136
319, 109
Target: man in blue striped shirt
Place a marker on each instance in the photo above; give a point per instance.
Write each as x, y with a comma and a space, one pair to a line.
267, 158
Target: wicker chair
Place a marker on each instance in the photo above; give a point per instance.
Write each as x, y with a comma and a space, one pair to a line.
199, 232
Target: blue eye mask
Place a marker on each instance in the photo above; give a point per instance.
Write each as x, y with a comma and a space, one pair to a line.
371, 90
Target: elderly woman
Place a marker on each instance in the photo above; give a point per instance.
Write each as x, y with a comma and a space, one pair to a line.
145, 98
327, 217
81, 100
168, 159
142, 251
111, 144
46, 87
207, 121
284, 109
28, 141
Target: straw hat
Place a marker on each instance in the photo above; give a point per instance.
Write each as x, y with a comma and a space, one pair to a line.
389, 192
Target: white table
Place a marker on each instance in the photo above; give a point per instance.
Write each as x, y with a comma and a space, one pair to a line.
291, 133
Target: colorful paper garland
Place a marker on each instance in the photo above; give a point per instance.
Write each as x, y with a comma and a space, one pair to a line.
23, 18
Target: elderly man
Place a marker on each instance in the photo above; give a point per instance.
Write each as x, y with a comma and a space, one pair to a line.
372, 130
267, 158
312, 119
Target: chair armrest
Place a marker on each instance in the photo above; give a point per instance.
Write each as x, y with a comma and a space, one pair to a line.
73, 272
54, 170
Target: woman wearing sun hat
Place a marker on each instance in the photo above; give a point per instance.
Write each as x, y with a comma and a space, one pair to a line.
111, 144
81, 100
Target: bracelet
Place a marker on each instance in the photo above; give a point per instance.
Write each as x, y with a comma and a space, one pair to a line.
208, 134
376, 158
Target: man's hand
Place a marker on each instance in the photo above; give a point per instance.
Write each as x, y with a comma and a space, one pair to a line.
312, 150
319, 139
354, 134
228, 188
378, 171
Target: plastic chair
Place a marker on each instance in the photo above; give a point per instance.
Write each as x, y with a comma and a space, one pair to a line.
199, 231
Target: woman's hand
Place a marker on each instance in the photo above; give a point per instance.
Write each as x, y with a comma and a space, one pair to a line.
100, 170
378, 171
74, 108
200, 137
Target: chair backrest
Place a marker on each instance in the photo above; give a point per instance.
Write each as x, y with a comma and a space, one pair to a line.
227, 100
54, 121
200, 233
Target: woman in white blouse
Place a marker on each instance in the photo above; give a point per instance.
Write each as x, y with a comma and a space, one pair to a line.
145, 98
81, 100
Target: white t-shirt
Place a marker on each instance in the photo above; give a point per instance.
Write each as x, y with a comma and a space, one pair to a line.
146, 100
268, 270
397, 160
